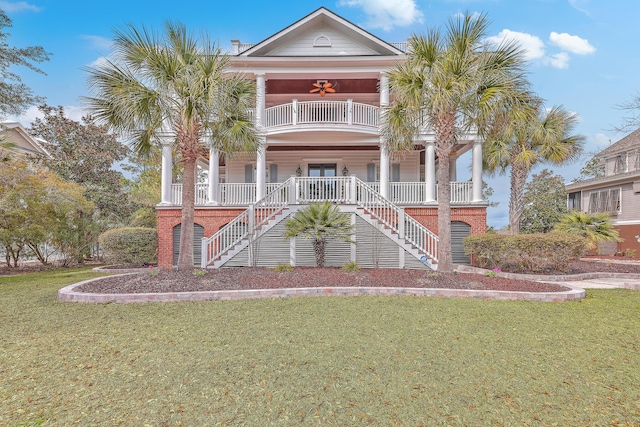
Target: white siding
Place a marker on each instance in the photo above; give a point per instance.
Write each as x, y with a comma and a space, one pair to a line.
304, 45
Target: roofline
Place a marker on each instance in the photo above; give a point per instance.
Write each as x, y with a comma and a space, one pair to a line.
307, 18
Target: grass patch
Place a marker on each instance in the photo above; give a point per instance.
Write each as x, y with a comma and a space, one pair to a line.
315, 361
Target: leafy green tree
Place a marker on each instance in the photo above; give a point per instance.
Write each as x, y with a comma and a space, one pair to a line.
37, 207
85, 153
595, 227
454, 82
318, 222
144, 187
545, 203
15, 96
526, 136
174, 87
592, 169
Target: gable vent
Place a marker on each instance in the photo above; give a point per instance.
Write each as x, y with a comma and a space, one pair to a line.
322, 41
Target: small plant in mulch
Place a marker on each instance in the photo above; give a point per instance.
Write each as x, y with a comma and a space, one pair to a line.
282, 268
351, 266
199, 273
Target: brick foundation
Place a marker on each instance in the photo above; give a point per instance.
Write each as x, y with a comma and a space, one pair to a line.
210, 218
214, 218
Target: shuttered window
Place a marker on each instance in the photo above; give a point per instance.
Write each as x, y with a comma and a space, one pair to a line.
198, 234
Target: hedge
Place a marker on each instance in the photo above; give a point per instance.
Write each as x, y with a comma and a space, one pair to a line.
130, 246
525, 252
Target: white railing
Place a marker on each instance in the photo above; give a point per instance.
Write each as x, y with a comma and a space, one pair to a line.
319, 112
392, 216
461, 192
403, 46
200, 195
247, 224
335, 190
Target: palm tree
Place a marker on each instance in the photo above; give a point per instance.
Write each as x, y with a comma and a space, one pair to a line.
595, 227
453, 82
174, 86
319, 222
525, 137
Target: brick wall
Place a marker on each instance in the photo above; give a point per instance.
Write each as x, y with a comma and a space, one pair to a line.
211, 219
476, 217
214, 218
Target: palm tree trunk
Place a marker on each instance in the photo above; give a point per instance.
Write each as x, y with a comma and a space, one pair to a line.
518, 179
185, 257
445, 138
318, 248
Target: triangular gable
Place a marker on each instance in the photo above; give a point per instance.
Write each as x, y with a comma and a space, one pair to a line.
628, 143
322, 33
19, 140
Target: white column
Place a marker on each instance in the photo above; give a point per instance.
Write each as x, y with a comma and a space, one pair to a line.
476, 172
453, 169
261, 171
384, 154
430, 173
167, 174
213, 193
384, 172
261, 158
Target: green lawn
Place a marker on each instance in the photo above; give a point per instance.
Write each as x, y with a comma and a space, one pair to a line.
343, 361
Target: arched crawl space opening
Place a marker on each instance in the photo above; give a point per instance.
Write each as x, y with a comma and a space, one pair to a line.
198, 234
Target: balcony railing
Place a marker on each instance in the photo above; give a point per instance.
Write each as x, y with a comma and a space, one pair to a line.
322, 112
334, 189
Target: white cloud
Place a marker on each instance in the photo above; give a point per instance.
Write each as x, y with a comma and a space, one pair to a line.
387, 14
559, 60
580, 6
533, 45
18, 6
600, 141
98, 62
70, 111
573, 44
98, 42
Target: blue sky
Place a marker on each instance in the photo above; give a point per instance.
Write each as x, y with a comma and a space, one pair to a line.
583, 54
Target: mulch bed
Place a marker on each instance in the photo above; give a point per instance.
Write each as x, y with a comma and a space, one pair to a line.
303, 277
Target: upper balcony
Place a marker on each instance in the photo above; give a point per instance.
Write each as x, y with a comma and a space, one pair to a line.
322, 114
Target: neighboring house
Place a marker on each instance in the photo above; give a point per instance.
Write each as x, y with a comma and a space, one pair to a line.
321, 84
14, 138
616, 192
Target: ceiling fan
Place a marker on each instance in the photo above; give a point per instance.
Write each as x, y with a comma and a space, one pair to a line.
323, 88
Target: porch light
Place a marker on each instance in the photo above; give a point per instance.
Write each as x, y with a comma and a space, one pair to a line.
298, 171
345, 171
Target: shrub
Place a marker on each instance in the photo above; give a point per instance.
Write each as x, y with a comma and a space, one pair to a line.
351, 266
282, 268
130, 246
530, 252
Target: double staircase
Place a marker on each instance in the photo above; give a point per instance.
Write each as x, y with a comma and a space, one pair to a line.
350, 194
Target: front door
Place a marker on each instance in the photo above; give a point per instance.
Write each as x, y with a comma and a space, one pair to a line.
323, 189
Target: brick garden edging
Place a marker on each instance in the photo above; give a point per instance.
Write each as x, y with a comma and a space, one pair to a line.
67, 294
558, 277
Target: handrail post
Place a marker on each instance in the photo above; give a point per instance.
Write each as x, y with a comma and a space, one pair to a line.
294, 111
349, 111
204, 256
353, 195
401, 223
293, 190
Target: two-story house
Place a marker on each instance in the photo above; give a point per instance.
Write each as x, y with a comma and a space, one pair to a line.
616, 192
321, 83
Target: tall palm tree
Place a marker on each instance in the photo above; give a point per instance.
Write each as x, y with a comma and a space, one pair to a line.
319, 222
453, 82
595, 227
525, 137
174, 86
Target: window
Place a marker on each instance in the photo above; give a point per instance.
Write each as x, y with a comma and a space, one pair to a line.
605, 201
620, 166
574, 201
